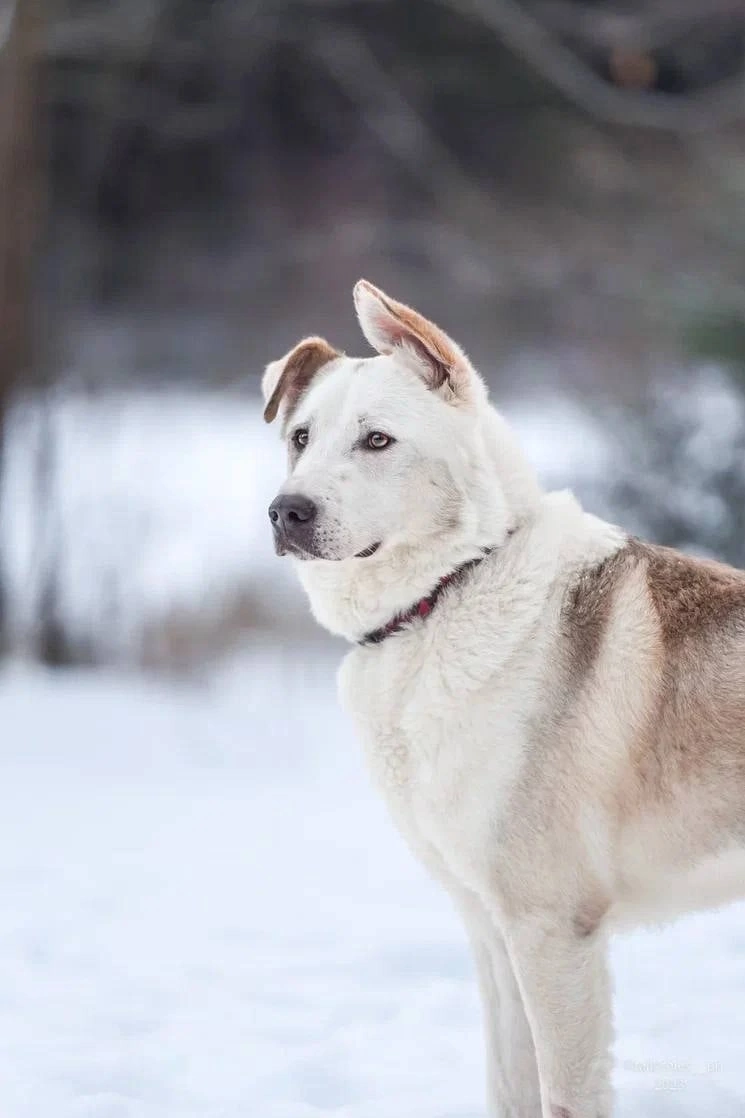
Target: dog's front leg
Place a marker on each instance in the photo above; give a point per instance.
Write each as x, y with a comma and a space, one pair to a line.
514, 1090
564, 978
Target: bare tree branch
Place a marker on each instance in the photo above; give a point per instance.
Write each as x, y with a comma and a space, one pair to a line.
116, 33
557, 64
645, 27
398, 125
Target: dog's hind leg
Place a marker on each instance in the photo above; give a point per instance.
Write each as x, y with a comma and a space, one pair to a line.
514, 1089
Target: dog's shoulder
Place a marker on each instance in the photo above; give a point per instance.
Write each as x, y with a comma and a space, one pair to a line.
688, 595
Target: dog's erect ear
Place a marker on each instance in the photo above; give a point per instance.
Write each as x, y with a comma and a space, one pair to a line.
285, 380
389, 325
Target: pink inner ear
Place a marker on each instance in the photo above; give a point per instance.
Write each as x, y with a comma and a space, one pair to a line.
388, 325
389, 328
418, 332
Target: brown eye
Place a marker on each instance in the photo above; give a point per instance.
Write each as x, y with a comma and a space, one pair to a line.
376, 440
300, 438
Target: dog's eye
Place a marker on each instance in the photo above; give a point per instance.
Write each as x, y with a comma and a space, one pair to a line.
300, 438
376, 440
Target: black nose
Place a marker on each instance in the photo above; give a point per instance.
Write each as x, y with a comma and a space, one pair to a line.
289, 512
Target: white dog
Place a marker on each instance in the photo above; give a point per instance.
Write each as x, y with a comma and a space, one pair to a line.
554, 712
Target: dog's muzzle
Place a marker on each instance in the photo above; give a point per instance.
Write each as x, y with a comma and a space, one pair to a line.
293, 519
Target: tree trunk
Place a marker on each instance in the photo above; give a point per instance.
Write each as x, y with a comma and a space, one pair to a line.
19, 204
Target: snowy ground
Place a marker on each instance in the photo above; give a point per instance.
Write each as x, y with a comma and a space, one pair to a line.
205, 912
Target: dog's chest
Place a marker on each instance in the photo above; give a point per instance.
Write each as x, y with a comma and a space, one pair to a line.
444, 746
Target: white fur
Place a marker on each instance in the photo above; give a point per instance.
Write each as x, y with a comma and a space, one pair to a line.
452, 710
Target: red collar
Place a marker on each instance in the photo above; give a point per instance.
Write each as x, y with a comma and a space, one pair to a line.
424, 606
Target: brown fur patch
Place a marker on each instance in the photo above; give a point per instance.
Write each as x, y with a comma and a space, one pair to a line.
690, 595
588, 607
687, 737
301, 365
560, 1111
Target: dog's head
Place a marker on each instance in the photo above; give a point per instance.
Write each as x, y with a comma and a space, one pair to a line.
393, 455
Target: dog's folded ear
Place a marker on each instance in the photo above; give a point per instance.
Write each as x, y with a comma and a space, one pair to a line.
390, 326
285, 381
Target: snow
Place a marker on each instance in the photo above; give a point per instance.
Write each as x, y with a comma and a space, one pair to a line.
206, 912
159, 504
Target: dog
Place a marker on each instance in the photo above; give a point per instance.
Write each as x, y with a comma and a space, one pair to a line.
553, 710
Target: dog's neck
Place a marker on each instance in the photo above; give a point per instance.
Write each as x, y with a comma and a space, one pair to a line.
422, 608
357, 596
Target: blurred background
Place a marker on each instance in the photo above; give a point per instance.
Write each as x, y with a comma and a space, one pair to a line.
186, 188
189, 187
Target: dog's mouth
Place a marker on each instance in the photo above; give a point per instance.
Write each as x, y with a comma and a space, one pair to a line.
368, 551
290, 547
